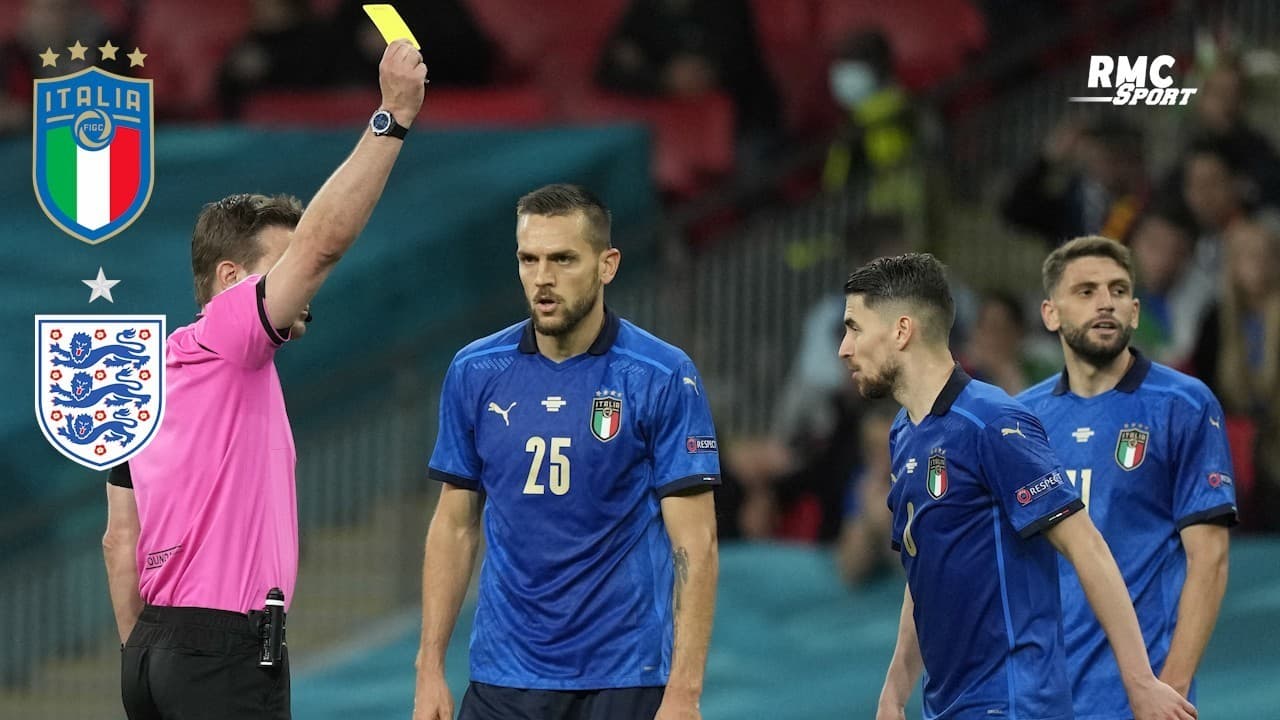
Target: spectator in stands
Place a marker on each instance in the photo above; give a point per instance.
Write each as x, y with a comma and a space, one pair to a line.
1217, 193
1218, 113
46, 25
1174, 291
876, 142
1238, 354
861, 551
282, 50
454, 45
686, 48
1091, 179
996, 351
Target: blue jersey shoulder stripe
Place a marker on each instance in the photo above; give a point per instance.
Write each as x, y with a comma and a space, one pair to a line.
1004, 600
969, 416
482, 353
643, 358
1197, 404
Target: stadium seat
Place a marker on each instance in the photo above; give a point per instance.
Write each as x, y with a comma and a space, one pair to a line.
557, 42
931, 39
515, 106
785, 30
693, 140
186, 42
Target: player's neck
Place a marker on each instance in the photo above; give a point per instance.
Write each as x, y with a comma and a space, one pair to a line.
1088, 380
922, 380
559, 348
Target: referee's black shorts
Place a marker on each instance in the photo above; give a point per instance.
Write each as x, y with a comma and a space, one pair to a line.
184, 663
492, 702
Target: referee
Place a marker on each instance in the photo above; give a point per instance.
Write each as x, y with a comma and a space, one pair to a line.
202, 525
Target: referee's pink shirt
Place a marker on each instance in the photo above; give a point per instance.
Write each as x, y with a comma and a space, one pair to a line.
215, 488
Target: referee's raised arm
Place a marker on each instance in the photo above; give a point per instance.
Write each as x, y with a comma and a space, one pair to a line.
342, 207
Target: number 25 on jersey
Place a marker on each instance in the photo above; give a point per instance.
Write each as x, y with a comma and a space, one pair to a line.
558, 465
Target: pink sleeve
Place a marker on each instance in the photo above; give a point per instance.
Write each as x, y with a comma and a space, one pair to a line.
235, 327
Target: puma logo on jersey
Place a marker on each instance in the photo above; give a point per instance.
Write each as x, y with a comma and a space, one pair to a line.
689, 381
493, 408
1214, 422
1015, 430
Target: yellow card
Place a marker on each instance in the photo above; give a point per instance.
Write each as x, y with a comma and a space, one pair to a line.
390, 24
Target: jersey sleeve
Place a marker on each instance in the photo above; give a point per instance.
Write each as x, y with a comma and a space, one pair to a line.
234, 325
455, 460
1204, 485
685, 451
1023, 473
121, 476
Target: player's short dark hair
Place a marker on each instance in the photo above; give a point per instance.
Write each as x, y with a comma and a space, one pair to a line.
228, 230
1087, 246
565, 199
915, 278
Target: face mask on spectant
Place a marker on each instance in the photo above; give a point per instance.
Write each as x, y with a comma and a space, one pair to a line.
851, 82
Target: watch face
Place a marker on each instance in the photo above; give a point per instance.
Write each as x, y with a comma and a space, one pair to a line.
381, 121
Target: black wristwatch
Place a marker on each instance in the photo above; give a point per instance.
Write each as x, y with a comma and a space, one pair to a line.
384, 123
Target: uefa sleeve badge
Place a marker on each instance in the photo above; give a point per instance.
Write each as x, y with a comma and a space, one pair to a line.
99, 384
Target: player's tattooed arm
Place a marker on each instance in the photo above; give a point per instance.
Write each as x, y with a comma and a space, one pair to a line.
691, 525
680, 561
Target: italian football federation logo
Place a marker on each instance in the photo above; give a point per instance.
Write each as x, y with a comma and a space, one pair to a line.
93, 160
937, 479
99, 385
1131, 447
606, 415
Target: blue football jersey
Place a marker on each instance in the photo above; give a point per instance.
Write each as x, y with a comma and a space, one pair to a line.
974, 483
573, 459
1149, 458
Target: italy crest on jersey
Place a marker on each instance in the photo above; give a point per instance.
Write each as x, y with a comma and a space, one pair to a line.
99, 385
937, 480
92, 161
606, 415
1131, 447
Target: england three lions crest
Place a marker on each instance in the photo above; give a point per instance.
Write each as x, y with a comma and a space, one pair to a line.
93, 161
99, 385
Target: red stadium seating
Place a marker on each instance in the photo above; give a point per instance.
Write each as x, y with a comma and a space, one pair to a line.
693, 140
785, 30
931, 39
11, 14
185, 42
557, 42
516, 106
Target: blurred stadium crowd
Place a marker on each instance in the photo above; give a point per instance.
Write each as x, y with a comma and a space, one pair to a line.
732, 89
757, 104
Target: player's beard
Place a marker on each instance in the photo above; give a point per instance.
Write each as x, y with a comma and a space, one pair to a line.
572, 317
881, 385
1096, 354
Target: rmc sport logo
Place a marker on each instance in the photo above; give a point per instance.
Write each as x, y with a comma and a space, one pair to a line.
1134, 80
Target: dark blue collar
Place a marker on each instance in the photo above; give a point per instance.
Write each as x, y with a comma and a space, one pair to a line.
955, 385
1131, 381
602, 343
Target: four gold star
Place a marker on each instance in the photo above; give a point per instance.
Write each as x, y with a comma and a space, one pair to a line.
49, 58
